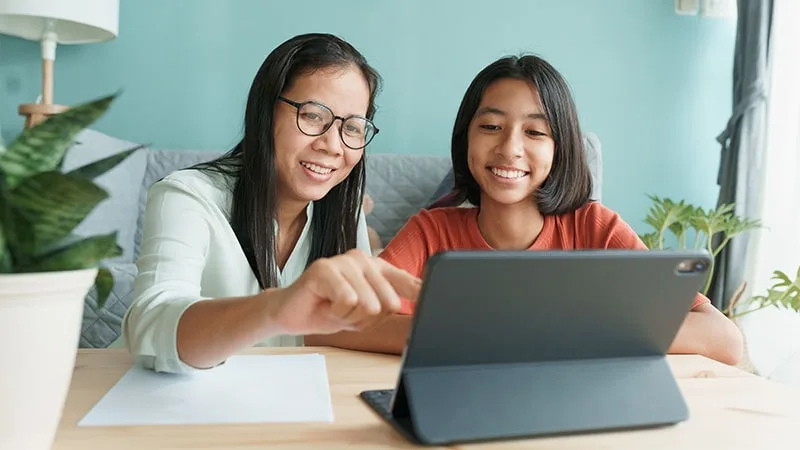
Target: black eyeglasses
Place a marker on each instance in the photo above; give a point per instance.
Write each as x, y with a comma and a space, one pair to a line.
314, 119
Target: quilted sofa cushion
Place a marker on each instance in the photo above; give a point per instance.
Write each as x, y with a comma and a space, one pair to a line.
400, 185
102, 326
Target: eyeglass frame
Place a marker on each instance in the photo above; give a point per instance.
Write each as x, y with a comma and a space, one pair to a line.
299, 105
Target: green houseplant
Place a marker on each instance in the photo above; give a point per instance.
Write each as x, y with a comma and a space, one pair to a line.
46, 271
687, 226
683, 222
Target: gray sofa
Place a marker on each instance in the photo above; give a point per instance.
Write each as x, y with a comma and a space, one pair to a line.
400, 185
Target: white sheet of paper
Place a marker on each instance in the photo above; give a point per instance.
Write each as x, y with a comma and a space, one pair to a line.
246, 389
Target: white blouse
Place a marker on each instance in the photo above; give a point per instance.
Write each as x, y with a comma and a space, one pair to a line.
188, 253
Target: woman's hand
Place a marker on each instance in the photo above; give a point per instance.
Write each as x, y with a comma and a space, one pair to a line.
352, 291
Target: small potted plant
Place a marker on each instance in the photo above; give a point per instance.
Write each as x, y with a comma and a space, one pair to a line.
46, 271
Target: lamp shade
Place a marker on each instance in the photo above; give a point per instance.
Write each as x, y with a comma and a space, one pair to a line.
72, 21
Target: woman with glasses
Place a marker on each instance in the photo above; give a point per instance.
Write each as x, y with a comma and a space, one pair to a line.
268, 243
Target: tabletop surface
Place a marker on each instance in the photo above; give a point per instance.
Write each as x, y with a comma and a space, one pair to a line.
729, 409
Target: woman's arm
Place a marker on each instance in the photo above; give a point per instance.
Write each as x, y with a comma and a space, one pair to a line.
175, 236
353, 291
170, 327
210, 331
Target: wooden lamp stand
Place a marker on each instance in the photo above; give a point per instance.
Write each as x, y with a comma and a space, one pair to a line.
52, 22
35, 113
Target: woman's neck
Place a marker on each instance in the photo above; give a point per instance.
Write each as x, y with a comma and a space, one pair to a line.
290, 213
509, 227
291, 217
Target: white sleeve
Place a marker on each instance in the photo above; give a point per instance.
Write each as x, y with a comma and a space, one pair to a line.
362, 237
175, 237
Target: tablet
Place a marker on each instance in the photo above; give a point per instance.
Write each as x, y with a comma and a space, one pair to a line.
512, 344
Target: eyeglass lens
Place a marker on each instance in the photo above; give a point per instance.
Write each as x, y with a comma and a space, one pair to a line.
314, 120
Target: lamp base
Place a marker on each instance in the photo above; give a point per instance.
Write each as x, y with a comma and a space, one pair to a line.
36, 113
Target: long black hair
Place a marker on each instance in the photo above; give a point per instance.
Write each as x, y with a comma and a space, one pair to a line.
569, 185
251, 163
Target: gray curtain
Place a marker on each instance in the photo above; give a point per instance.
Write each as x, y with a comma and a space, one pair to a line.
743, 139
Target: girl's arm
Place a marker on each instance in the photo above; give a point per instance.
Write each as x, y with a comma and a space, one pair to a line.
705, 331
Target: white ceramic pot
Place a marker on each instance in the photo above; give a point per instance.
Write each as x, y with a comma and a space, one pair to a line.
40, 321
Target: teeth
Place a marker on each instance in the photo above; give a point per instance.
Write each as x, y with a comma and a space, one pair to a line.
316, 168
508, 173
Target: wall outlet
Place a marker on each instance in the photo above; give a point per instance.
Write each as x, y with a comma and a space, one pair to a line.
718, 8
687, 7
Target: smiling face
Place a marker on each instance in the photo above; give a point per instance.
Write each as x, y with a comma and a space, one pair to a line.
309, 167
510, 144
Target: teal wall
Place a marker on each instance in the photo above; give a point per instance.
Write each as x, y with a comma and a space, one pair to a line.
655, 86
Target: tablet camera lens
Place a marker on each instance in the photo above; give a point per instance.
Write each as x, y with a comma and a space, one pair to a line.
691, 266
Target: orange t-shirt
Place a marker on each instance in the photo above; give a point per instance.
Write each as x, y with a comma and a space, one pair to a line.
592, 226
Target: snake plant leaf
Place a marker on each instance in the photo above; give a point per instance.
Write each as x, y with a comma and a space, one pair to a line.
42, 147
104, 282
54, 203
6, 263
17, 232
83, 254
97, 168
20, 237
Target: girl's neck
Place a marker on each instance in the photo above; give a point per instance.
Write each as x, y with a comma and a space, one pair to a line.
509, 227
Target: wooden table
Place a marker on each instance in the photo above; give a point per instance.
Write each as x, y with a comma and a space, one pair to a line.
729, 408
